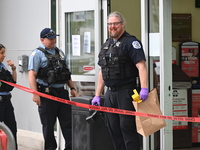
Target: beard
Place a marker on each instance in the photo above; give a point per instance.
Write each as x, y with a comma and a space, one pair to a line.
115, 33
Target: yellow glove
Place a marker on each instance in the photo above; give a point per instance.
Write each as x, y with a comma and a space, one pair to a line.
136, 96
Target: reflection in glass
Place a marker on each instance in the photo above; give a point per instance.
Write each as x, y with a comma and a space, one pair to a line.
80, 42
154, 16
85, 88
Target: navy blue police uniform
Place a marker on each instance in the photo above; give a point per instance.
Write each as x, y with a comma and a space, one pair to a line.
118, 61
52, 75
6, 108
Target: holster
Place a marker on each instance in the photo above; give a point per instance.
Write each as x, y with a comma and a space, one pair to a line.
49, 90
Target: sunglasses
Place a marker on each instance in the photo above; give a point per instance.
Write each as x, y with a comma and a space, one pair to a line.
51, 32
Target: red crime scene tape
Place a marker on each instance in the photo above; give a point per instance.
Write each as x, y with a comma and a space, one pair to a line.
101, 108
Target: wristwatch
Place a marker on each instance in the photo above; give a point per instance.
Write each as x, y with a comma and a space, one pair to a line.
72, 88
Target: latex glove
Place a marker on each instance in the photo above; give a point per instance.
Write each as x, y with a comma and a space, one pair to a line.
144, 94
96, 99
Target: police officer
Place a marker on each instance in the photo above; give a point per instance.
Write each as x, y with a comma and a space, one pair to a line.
6, 108
122, 62
48, 73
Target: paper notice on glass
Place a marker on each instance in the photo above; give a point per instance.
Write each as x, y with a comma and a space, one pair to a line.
87, 39
154, 44
76, 51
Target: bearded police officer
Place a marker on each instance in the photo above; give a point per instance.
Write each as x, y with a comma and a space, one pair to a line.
48, 73
122, 62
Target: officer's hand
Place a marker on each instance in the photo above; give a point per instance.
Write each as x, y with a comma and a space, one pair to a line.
36, 99
73, 93
95, 100
144, 94
11, 64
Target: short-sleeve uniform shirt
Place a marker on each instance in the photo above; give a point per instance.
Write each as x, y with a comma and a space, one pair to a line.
38, 60
134, 49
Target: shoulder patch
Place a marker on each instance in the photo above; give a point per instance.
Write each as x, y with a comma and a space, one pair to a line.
136, 45
33, 53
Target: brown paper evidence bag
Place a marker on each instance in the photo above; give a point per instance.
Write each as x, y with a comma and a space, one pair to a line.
146, 125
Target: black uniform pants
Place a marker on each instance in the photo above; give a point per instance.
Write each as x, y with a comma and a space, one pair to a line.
7, 115
122, 127
49, 110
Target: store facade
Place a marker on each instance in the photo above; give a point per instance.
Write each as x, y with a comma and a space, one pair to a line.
82, 26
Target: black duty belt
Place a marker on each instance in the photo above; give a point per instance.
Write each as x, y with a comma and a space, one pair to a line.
4, 97
49, 90
121, 87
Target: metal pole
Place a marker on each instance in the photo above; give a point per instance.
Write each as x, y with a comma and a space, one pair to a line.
166, 133
11, 140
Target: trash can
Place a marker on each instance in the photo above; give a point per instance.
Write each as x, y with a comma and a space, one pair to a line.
89, 135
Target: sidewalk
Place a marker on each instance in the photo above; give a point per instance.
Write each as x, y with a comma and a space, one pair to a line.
25, 148
27, 140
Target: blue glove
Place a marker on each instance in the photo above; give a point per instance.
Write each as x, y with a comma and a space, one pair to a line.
96, 99
144, 94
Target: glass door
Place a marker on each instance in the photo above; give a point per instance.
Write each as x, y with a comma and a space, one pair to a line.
160, 59
82, 41
156, 36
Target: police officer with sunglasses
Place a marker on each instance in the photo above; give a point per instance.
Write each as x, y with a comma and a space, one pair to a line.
49, 73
